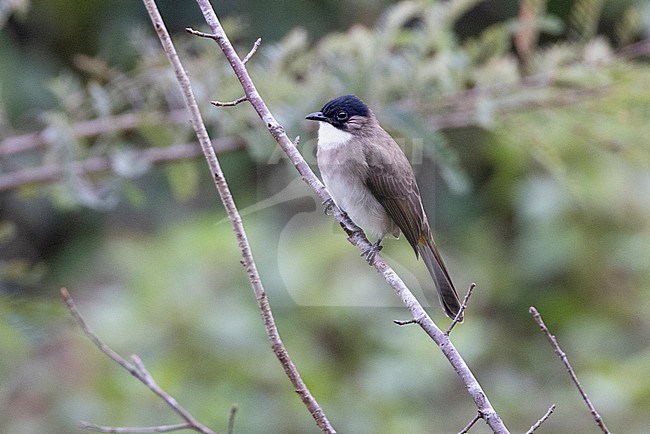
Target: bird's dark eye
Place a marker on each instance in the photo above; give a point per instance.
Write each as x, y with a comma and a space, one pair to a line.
341, 115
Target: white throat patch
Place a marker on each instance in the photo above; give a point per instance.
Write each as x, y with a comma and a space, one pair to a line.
331, 137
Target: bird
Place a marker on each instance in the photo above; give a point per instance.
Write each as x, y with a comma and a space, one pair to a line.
369, 177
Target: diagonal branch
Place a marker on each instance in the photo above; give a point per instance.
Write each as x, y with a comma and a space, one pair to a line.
355, 235
136, 369
470, 424
236, 222
563, 357
250, 54
539, 423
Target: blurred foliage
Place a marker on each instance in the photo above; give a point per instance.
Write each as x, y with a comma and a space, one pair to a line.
530, 137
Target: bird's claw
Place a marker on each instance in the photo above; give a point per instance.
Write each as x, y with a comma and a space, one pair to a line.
370, 253
328, 206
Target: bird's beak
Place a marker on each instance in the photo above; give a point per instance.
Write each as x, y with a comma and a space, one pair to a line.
317, 116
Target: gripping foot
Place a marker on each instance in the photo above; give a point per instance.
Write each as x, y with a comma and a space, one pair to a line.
370, 253
328, 206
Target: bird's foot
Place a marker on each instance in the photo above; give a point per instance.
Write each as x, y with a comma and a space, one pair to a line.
328, 206
370, 253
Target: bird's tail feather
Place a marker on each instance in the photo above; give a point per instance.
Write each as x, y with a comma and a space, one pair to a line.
446, 291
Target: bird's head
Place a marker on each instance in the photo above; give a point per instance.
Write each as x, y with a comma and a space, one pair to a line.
346, 113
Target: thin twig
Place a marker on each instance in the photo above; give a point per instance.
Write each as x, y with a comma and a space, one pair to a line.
135, 430
191, 31
355, 236
153, 156
463, 306
231, 418
72, 307
539, 423
401, 322
229, 103
247, 260
250, 54
470, 424
563, 357
136, 369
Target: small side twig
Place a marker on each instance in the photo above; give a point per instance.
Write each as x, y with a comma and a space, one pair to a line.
539, 423
250, 54
231, 418
470, 424
463, 306
200, 34
229, 103
138, 370
401, 322
563, 357
134, 430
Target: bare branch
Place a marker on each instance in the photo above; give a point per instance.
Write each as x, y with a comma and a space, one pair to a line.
250, 54
137, 369
135, 430
233, 214
470, 424
463, 306
563, 357
539, 423
154, 156
355, 236
229, 103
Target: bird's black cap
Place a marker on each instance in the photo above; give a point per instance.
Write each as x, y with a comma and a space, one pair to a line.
350, 103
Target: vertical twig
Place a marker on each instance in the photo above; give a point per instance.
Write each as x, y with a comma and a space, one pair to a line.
355, 236
236, 222
563, 357
463, 306
231, 418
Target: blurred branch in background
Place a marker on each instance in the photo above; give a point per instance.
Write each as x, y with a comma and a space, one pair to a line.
90, 128
118, 163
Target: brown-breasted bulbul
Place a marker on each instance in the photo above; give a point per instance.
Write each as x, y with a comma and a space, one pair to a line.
370, 178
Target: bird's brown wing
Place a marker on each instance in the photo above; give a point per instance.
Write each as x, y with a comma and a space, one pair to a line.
392, 182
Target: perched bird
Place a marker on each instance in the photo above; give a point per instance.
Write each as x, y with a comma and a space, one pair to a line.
370, 179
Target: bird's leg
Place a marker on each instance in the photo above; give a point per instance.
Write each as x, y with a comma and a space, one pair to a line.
328, 205
372, 251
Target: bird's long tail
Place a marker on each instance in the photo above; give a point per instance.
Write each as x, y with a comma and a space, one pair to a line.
446, 291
